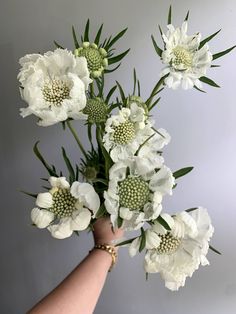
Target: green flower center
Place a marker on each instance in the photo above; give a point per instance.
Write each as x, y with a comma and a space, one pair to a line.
96, 109
96, 58
90, 173
93, 57
168, 245
133, 193
55, 92
124, 133
182, 57
63, 203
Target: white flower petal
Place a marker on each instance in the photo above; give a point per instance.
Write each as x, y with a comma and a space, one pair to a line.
192, 62
125, 213
162, 181
152, 239
81, 219
61, 230
44, 200
85, 193
60, 182
42, 71
41, 218
134, 247
176, 266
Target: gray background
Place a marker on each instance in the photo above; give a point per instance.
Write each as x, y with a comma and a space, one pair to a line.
203, 134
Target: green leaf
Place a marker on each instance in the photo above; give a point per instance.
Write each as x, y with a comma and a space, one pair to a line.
29, 194
214, 250
182, 172
203, 42
222, 53
139, 90
97, 38
125, 242
63, 125
144, 143
76, 232
90, 134
104, 43
86, 31
43, 161
117, 37
101, 211
160, 30
158, 132
154, 104
106, 155
76, 43
143, 240
118, 57
191, 209
156, 89
163, 223
44, 179
68, 165
208, 81
113, 107
158, 49
122, 94
103, 181
119, 221
135, 80
77, 173
112, 70
187, 16
58, 45
169, 16
200, 90
110, 93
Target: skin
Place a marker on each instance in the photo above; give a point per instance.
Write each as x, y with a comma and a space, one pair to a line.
79, 292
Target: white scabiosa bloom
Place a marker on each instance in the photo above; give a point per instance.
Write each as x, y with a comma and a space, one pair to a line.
186, 61
149, 153
54, 86
64, 209
182, 250
126, 131
135, 192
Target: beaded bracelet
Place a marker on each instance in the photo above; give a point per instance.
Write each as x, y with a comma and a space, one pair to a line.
109, 249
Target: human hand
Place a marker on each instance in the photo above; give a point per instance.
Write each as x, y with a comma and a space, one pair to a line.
104, 233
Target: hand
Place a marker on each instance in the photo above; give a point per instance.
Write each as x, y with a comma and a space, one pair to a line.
104, 233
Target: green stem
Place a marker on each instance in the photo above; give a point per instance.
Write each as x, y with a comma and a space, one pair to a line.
76, 138
91, 89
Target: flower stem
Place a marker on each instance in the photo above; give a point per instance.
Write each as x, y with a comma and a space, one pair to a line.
76, 138
91, 89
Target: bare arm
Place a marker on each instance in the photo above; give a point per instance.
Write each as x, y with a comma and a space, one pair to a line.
79, 292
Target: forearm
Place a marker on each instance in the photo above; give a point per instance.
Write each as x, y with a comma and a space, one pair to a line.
79, 292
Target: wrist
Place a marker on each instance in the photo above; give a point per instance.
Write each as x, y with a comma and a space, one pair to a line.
109, 250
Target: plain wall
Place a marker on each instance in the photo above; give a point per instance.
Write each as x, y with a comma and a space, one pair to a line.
203, 133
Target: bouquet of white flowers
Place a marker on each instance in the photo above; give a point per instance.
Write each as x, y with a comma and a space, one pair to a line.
123, 175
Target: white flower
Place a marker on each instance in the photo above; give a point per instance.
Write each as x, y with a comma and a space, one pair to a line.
149, 153
65, 209
54, 86
126, 131
135, 195
186, 61
152, 241
181, 250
